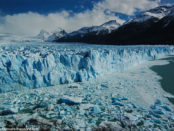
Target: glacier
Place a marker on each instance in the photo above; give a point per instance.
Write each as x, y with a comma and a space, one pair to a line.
120, 100
34, 65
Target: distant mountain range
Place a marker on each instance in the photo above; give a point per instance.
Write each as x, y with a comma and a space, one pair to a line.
50, 37
155, 26
103, 29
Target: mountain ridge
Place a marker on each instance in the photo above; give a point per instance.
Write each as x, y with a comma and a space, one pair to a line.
150, 27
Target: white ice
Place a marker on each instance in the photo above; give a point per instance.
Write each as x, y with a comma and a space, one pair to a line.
35, 65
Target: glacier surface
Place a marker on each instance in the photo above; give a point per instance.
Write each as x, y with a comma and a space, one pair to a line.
132, 99
34, 65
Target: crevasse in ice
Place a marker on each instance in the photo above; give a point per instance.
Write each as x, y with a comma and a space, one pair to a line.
41, 65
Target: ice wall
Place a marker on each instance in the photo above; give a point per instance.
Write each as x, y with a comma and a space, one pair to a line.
35, 66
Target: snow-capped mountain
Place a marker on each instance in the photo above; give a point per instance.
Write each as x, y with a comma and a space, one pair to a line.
102, 29
157, 13
111, 25
93, 31
59, 33
154, 26
51, 36
43, 35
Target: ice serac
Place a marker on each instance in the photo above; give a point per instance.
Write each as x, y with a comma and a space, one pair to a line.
34, 66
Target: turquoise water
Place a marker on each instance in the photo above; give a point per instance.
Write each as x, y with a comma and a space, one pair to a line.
167, 74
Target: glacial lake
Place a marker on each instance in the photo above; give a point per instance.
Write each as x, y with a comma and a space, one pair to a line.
167, 74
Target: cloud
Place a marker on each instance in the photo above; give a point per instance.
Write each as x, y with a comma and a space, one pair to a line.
128, 7
31, 23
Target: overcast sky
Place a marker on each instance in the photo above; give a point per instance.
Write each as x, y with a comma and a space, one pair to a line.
30, 16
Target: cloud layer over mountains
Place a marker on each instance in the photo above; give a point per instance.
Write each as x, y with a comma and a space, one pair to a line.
31, 23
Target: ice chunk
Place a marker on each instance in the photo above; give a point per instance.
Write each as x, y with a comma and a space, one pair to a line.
158, 102
95, 110
69, 100
117, 103
158, 111
6, 112
105, 125
74, 85
167, 108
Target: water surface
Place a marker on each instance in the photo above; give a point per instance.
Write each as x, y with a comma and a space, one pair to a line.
167, 74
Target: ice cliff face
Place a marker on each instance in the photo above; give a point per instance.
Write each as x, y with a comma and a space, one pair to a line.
41, 65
